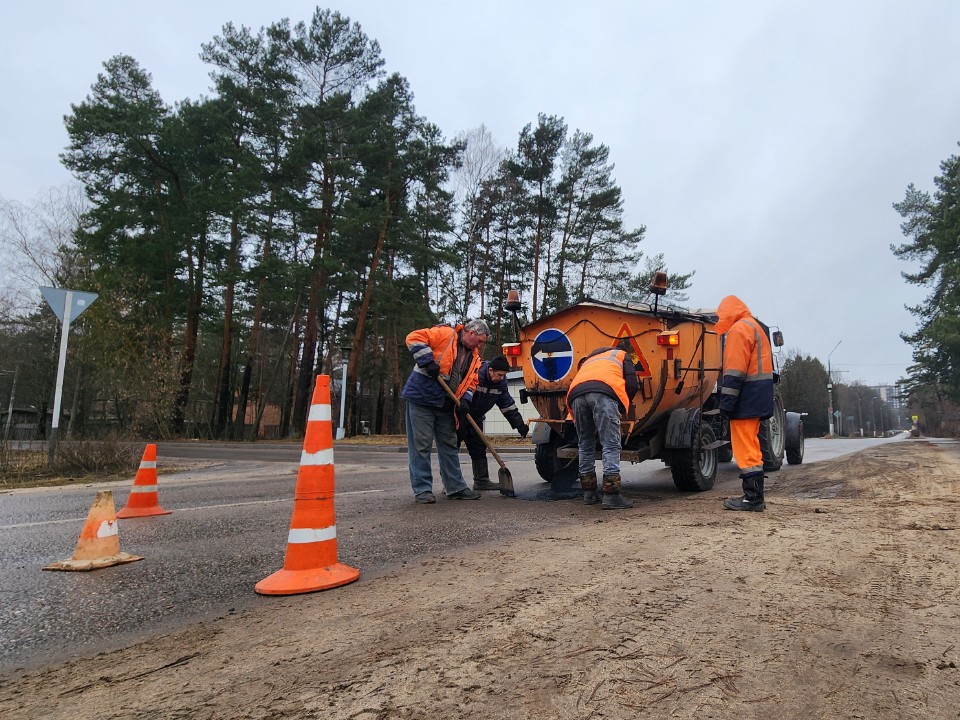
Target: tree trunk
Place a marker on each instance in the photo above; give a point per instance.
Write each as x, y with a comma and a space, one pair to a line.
358, 334
305, 379
222, 407
253, 346
195, 275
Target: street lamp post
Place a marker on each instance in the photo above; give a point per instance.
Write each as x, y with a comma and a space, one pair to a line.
859, 413
830, 388
345, 359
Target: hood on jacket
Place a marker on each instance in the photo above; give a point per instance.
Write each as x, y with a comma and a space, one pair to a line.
730, 310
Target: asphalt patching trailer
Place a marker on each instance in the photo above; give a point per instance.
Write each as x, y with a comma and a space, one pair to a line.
674, 416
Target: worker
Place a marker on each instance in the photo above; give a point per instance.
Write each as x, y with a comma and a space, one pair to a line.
746, 395
600, 393
451, 353
491, 390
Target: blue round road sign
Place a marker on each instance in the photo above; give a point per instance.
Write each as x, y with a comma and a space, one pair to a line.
552, 355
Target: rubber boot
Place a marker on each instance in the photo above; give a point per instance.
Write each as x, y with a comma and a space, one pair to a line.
588, 481
481, 475
752, 499
613, 499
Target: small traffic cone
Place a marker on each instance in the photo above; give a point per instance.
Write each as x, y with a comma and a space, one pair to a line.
143, 500
99, 543
311, 561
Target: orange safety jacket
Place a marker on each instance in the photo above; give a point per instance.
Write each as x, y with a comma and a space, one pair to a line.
747, 386
604, 372
438, 344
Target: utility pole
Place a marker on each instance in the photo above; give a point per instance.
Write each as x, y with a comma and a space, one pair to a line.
830, 388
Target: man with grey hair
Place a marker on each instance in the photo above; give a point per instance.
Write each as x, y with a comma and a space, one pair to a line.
452, 353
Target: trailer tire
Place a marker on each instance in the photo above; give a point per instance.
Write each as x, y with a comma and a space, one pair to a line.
551, 468
794, 438
694, 469
795, 455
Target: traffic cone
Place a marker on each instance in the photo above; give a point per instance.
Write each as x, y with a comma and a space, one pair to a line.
143, 500
311, 560
99, 543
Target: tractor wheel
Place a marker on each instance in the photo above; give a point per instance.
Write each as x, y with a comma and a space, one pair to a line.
725, 453
772, 436
693, 468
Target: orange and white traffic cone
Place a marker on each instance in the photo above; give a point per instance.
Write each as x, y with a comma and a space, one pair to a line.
99, 543
143, 500
311, 561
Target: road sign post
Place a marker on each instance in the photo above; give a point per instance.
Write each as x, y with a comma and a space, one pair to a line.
67, 306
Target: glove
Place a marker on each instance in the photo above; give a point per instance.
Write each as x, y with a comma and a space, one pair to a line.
432, 369
523, 430
464, 406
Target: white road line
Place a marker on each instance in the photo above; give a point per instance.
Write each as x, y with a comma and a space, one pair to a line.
198, 507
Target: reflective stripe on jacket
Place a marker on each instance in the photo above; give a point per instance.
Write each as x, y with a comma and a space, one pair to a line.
608, 371
438, 344
747, 386
489, 393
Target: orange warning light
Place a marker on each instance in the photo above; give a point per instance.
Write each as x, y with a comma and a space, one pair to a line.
669, 339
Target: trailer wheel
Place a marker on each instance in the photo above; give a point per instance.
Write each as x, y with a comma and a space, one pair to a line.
550, 467
794, 427
693, 468
795, 455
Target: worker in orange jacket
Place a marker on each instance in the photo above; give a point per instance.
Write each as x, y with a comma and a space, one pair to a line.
452, 353
601, 391
746, 395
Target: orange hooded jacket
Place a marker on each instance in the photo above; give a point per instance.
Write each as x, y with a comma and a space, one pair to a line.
747, 385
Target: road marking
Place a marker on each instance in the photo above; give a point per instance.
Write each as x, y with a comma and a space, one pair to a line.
198, 507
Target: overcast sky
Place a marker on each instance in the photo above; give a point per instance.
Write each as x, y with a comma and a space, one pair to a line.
762, 144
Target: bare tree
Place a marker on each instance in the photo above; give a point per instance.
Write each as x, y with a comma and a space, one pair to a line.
37, 242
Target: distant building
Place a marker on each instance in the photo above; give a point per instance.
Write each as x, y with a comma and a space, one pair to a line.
494, 422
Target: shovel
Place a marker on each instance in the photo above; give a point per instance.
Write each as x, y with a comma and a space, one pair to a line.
503, 474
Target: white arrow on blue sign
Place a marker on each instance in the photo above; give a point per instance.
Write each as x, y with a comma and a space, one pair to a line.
552, 355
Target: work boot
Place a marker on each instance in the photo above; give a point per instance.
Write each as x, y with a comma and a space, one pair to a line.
752, 498
613, 499
588, 481
465, 494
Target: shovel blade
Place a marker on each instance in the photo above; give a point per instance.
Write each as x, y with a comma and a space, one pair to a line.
506, 482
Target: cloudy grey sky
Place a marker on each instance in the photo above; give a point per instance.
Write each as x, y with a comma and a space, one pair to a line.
761, 143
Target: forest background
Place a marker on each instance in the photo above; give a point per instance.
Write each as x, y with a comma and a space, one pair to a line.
302, 216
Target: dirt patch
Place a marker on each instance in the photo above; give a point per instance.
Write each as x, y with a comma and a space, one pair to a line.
839, 601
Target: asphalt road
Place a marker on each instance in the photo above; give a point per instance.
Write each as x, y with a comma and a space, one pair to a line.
228, 531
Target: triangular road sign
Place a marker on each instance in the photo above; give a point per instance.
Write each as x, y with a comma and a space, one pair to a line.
639, 361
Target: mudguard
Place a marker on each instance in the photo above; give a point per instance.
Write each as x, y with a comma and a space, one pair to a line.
541, 433
680, 428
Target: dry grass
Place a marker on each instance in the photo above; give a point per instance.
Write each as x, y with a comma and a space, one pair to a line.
75, 462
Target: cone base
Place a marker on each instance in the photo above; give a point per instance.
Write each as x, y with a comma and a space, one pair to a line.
96, 564
143, 512
294, 582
